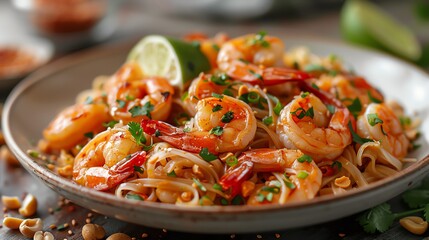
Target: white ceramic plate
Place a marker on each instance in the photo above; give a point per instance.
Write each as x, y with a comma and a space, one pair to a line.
35, 101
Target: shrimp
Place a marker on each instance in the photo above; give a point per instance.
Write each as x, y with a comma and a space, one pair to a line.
221, 124
287, 161
106, 161
255, 58
204, 86
307, 124
131, 96
70, 125
381, 124
209, 46
347, 88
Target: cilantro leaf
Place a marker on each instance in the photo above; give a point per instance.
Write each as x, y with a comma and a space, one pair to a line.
137, 132
416, 197
426, 214
356, 137
142, 110
218, 130
206, 155
378, 218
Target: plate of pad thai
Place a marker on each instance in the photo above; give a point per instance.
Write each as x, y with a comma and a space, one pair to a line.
223, 134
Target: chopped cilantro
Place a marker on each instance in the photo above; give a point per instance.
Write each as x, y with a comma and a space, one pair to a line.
373, 99
216, 47
227, 117
206, 155
216, 108
305, 94
216, 95
257, 75
142, 110
110, 124
337, 165
172, 174
129, 98
405, 121
121, 103
218, 130
138, 169
89, 135
303, 113
137, 132
331, 108
315, 67
356, 137
220, 79
356, 107
237, 200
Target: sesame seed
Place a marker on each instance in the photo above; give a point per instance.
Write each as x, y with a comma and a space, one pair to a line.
277, 235
69, 232
341, 234
145, 235
133, 238
52, 226
67, 201
89, 215
164, 230
232, 236
73, 222
50, 210
259, 236
87, 220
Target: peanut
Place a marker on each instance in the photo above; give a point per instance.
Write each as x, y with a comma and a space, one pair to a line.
11, 202
119, 236
342, 182
93, 232
413, 224
8, 156
29, 227
39, 235
12, 223
29, 206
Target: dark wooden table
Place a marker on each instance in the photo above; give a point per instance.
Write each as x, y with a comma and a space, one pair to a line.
55, 210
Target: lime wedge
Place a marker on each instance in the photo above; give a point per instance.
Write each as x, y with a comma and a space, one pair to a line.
362, 22
178, 61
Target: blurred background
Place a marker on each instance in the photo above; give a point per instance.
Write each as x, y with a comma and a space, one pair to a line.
53, 28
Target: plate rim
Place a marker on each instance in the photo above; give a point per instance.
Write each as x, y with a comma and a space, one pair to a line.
420, 167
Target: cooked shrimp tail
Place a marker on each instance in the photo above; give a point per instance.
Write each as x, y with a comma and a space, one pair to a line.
103, 179
192, 142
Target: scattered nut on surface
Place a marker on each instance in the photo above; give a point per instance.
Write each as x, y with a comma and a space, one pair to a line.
29, 227
7, 155
119, 236
414, 224
12, 222
39, 235
11, 202
29, 206
93, 232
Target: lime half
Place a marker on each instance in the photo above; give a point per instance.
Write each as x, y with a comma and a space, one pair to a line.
176, 60
364, 23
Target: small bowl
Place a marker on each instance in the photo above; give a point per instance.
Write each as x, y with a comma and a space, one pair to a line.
29, 52
70, 25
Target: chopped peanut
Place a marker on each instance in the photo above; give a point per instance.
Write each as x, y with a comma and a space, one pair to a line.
11, 202
66, 171
119, 236
29, 227
342, 182
247, 187
29, 206
93, 232
40, 235
8, 156
12, 223
415, 225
